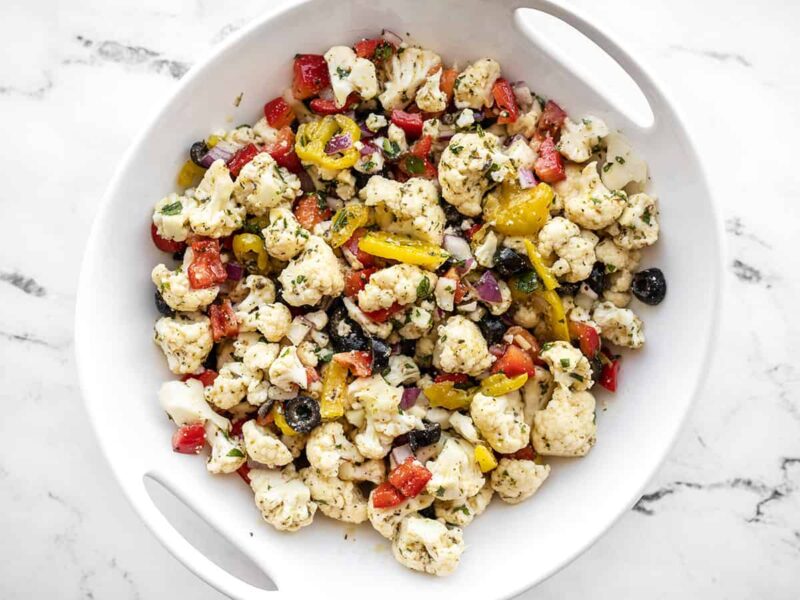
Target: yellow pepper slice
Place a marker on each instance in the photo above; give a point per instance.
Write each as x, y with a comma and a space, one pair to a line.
280, 421
485, 458
517, 211
312, 138
446, 395
498, 384
213, 140
334, 386
403, 249
346, 220
190, 174
542, 270
250, 251
558, 318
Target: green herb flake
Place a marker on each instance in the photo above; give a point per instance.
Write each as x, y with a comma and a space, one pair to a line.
620, 160
527, 282
564, 363
646, 216
424, 288
414, 165
235, 452
341, 72
174, 208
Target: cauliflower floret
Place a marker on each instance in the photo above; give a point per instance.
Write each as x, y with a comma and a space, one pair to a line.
370, 163
176, 291
386, 521
521, 154
570, 368
460, 348
428, 546
185, 404
227, 454
402, 370
465, 119
373, 471
406, 72
384, 420
231, 385
537, 392
622, 166
171, 216
185, 340
312, 275
328, 449
286, 371
256, 354
638, 224
252, 292
580, 140
501, 421
381, 330
506, 300
456, 475
473, 86
526, 123
430, 98
217, 213
566, 427
616, 258
418, 321
349, 73
517, 480
574, 249
587, 202
264, 447
272, 320
470, 165
485, 250
619, 326
411, 208
402, 284
462, 512
376, 122
262, 185
337, 499
462, 424
284, 500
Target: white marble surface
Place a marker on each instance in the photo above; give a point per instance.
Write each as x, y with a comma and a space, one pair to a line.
722, 517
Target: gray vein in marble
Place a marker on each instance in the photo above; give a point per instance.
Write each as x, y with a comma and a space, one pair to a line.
26, 284
133, 56
781, 376
27, 338
34, 93
736, 228
226, 31
715, 55
747, 273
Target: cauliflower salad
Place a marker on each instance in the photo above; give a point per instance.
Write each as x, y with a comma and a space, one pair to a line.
391, 297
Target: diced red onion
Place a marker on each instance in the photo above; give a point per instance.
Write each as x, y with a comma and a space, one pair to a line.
497, 350
391, 36
334, 203
235, 271
401, 453
522, 94
526, 178
488, 289
458, 247
222, 150
585, 289
338, 143
367, 148
513, 139
366, 133
469, 264
306, 183
409, 399
396, 348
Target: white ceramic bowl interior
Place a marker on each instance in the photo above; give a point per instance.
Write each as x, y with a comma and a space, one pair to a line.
510, 547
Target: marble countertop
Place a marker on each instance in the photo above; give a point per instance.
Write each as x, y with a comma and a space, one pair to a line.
721, 519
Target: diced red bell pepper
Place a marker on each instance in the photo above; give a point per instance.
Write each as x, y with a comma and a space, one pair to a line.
206, 268
386, 496
551, 120
241, 158
588, 339
416, 162
549, 166
310, 75
411, 123
526, 453
461, 289
163, 243
515, 361
278, 113
528, 342
377, 49
355, 281
310, 210
207, 377
328, 107
282, 150
189, 439
472, 231
382, 315
236, 427
358, 361
244, 473
447, 82
410, 477
366, 260
609, 375
223, 320
505, 100
311, 375
456, 378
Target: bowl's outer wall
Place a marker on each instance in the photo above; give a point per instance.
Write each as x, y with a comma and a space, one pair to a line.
509, 548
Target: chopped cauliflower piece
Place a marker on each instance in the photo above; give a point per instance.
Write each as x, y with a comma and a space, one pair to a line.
402, 370
399, 284
256, 354
328, 449
262, 185
521, 154
537, 392
518, 480
176, 291
284, 238
587, 202
337, 499
428, 546
570, 368
470, 165
185, 404
462, 424
566, 427
501, 421
227, 454
349, 73
406, 72
616, 258
271, 320
527, 122
171, 216
286, 371
580, 140
619, 326
430, 97
384, 420
264, 447
622, 166
574, 249
473, 86
373, 470
456, 474
254, 291
485, 250
185, 340
418, 321
386, 521
376, 122
460, 347
315, 273
284, 500
638, 223
381, 330
231, 385
462, 512
217, 213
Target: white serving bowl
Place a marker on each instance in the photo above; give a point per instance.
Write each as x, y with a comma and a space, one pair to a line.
509, 548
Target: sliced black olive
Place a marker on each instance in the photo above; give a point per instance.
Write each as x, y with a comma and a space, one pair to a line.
597, 367
419, 438
428, 512
508, 262
179, 254
210, 362
452, 216
565, 288
345, 334
302, 414
380, 354
162, 306
649, 286
597, 279
197, 152
408, 347
492, 328
262, 416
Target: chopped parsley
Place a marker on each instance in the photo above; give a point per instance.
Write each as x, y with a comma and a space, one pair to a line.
527, 282
424, 288
391, 149
456, 149
235, 452
414, 165
564, 363
620, 160
174, 208
341, 72
383, 51
646, 216
340, 222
